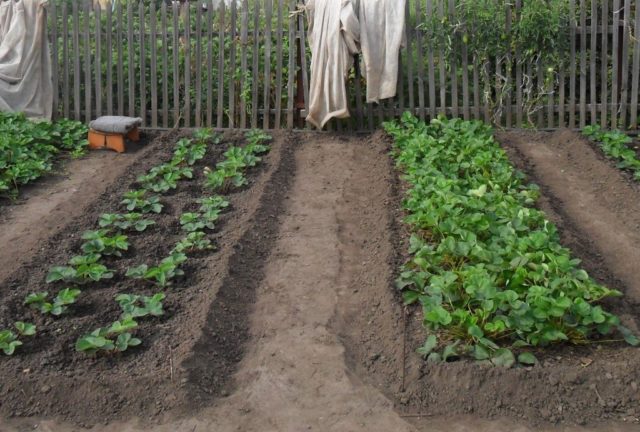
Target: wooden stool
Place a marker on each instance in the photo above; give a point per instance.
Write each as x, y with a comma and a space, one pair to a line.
112, 132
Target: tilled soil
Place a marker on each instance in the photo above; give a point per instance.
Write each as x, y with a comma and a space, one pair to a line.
294, 324
596, 210
48, 378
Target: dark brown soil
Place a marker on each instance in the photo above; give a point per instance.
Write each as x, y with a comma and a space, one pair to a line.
572, 385
48, 378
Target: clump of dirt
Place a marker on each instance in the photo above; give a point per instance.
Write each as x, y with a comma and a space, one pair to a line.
49, 378
571, 385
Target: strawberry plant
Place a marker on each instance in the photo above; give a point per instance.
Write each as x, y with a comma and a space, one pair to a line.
135, 306
125, 222
256, 139
191, 222
168, 269
137, 201
194, 241
116, 338
165, 177
486, 266
60, 304
82, 269
25, 329
616, 146
99, 242
8, 339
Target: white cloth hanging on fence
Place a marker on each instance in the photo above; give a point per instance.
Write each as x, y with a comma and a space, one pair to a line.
339, 29
25, 63
382, 34
333, 37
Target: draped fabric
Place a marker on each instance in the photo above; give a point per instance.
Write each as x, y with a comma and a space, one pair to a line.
25, 63
339, 29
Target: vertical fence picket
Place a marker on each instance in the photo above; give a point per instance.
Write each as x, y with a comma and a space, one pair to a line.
109, 53
76, 61
454, 64
410, 33
509, 72
187, 63
292, 65
120, 65
65, 60
420, 68
198, 64
518, 62
153, 73
268, 8
624, 64
583, 63
221, 74
443, 71
143, 64
592, 63
244, 35
305, 70
232, 66
615, 83
635, 80
210, 70
431, 67
255, 70
165, 65
604, 59
87, 64
572, 66
279, 59
98, 59
176, 66
55, 67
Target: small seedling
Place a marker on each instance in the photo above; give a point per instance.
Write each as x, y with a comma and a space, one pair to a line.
137, 201
101, 339
191, 222
168, 269
135, 306
8, 342
25, 329
83, 268
99, 242
194, 241
65, 297
126, 222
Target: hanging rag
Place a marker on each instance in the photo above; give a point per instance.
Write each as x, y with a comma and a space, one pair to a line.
382, 34
333, 37
25, 63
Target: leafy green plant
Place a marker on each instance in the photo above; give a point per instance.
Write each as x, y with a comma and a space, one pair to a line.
135, 306
256, 139
116, 338
125, 222
82, 269
210, 209
8, 342
25, 329
164, 177
137, 201
616, 146
189, 152
486, 266
99, 242
168, 269
194, 241
60, 304
191, 222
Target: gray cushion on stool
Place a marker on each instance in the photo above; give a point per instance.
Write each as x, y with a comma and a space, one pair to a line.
115, 124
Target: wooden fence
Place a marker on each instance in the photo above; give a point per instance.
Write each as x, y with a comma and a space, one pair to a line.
247, 66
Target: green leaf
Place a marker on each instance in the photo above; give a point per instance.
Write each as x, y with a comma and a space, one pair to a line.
450, 350
25, 329
503, 357
428, 346
527, 358
628, 336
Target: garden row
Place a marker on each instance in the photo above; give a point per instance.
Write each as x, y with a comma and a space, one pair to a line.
28, 149
486, 266
616, 146
110, 242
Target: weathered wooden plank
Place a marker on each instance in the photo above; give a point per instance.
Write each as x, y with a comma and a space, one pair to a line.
279, 59
572, 66
187, 63
267, 64
624, 72
583, 64
153, 46
292, 69
604, 60
443, 71
143, 63
635, 74
420, 68
55, 67
255, 71
431, 69
165, 65
175, 77
198, 66
120, 62
65, 60
210, 43
410, 36
232, 66
87, 64
593, 61
131, 60
109, 53
244, 35
615, 83
508, 65
454, 64
519, 110
98, 59
221, 56
305, 66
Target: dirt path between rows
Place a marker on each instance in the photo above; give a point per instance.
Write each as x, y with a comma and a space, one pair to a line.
325, 331
47, 206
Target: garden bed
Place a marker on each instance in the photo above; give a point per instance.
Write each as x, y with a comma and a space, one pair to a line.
47, 377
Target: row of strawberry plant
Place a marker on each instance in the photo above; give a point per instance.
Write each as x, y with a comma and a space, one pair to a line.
616, 146
111, 239
486, 266
28, 148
